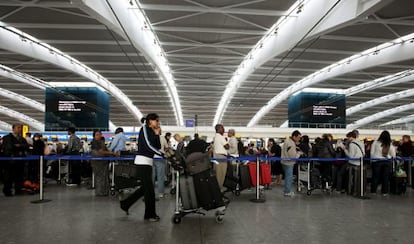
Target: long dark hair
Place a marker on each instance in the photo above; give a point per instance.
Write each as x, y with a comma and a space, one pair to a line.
385, 138
150, 116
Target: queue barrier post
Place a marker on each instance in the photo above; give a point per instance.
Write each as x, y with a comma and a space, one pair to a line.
410, 178
41, 199
361, 176
259, 195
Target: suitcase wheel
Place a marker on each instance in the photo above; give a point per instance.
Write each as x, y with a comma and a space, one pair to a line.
219, 219
176, 219
309, 193
112, 193
173, 191
237, 192
59, 182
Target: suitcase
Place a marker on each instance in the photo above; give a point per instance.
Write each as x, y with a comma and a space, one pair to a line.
207, 190
232, 179
187, 193
125, 175
245, 181
398, 185
265, 173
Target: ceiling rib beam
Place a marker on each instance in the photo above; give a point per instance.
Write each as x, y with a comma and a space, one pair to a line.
209, 30
380, 115
199, 9
315, 18
392, 52
19, 42
132, 25
22, 117
57, 26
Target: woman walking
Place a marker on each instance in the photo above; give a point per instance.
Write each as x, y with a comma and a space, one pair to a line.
148, 145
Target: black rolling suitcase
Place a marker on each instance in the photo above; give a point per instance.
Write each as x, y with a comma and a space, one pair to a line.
187, 193
245, 181
398, 185
231, 181
207, 190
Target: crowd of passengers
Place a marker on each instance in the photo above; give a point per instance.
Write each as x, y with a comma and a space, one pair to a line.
333, 171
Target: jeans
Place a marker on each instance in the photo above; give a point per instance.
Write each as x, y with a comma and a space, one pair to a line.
288, 169
381, 171
158, 174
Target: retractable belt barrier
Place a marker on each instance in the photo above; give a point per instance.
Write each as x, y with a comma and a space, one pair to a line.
243, 159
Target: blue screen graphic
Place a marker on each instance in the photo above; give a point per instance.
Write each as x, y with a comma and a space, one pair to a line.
317, 110
85, 108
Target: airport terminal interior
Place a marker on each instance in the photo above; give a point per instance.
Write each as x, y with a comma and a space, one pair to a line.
275, 121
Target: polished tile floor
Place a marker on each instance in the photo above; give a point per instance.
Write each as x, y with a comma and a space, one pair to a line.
75, 216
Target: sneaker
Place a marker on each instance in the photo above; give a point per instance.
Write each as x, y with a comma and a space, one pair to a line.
289, 194
71, 184
161, 195
153, 219
384, 194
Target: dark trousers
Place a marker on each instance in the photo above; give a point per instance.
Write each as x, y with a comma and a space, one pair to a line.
325, 167
33, 171
13, 173
144, 173
381, 171
340, 175
74, 170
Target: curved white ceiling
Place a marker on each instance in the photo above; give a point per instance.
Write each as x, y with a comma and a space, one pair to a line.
394, 51
17, 41
204, 43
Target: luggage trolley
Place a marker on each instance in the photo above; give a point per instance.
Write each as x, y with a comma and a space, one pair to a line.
186, 201
122, 175
310, 177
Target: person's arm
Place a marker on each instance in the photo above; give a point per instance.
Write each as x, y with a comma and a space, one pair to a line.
69, 147
152, 139
392, 151
291, 150
104, 152
114, 142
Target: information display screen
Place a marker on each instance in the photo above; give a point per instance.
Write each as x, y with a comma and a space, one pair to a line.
84, 108
317, 110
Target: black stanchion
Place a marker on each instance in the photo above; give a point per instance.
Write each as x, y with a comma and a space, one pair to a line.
41, 199
259, 196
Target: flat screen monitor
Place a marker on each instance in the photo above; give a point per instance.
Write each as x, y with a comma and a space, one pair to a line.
84, 108
317, 110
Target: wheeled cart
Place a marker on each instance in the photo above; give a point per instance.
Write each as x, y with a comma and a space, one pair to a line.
196, 194
310, 178
123, 176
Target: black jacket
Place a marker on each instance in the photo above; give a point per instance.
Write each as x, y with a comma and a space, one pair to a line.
154, 140
14, 146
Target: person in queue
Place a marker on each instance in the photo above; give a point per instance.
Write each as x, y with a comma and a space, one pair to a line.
158, 168
119, 141
148, 145
14, 145
100, 167
354, 149
73, 148
232, 141
290, 150
274, 150
220, 153
382, 150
